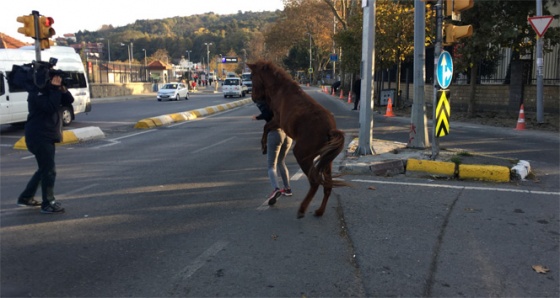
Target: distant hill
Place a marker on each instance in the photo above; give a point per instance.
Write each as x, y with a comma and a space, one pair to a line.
229, 34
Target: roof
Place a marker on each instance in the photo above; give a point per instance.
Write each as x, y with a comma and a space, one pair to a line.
158, 65
8, 42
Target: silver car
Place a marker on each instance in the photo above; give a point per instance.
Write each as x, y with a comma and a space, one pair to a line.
173, 91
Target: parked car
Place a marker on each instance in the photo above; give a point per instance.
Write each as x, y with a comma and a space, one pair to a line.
234, 87
173, 91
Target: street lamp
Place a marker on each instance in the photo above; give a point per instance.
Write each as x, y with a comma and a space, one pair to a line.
309, 50
189, 64
129, 62
208, 44
145, 66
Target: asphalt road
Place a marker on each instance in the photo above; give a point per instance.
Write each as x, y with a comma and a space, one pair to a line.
180, 211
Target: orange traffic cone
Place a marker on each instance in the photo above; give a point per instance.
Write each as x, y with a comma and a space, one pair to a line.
332, 92
349, 97
341, 95
521, 119
389, 112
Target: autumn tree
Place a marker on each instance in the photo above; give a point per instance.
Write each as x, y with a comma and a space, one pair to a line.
302, 20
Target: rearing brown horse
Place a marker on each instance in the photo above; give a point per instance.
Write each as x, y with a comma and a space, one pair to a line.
312, 127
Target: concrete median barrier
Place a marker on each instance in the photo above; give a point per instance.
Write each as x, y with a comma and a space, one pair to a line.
484, 173
152, 122
415, 167
71, 136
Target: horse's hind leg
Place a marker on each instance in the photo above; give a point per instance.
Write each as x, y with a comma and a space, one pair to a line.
310, 194
326, 192
326, 195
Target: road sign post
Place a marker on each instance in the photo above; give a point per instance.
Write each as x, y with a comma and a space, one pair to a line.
540, 23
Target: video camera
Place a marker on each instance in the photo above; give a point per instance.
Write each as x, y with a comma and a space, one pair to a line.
36, 75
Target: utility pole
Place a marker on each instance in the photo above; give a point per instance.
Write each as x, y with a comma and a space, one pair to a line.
418, 136
366, 93
208, 44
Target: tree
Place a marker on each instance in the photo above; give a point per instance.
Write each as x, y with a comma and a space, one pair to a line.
497, 24
303, 20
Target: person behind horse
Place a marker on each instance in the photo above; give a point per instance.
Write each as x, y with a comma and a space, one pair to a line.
277, 146
335, 86
356, 90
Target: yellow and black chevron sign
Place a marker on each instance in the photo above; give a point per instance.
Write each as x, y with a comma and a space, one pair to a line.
443, 111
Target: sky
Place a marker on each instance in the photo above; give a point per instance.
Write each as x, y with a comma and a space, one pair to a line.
73, 16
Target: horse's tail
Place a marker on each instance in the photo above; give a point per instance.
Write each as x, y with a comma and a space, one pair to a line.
326, 156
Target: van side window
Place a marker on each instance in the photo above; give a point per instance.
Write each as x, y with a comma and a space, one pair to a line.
76, 80
2, 87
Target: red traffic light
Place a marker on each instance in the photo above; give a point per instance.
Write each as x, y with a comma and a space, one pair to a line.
48, 21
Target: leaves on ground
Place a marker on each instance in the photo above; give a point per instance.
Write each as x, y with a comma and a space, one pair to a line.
540, 269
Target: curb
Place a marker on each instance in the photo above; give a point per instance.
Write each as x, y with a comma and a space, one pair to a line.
71, 136
415, 163
152, 122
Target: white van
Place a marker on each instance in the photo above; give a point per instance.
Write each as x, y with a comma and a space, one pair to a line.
13, 100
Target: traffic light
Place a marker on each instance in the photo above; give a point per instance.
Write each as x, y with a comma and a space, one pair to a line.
46, 44
453, 9
28, 28
45, 27
454, 33
46, 31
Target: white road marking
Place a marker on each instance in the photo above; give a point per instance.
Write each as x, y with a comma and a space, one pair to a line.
214, 145
80, 189
115, 140
297, 175
201, 260
460, 187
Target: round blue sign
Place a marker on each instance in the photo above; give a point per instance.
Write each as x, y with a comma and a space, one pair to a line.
444, 69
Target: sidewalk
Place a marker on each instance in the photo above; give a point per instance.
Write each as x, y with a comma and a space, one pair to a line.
394, 158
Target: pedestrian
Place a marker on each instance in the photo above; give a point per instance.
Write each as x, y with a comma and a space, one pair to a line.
277, 146
335, 86
42, 130
356, 90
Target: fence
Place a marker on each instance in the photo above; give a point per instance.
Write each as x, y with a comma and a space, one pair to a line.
101, 71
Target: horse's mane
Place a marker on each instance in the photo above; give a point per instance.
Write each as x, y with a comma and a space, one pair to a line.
278, 73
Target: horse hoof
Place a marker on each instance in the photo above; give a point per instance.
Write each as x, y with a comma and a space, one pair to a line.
300, 215
319, 213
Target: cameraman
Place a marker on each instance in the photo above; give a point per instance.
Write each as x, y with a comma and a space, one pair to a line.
42, 130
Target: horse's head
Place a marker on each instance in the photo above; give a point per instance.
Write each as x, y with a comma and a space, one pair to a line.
258, 94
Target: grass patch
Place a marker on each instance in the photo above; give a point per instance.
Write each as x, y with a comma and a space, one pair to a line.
456, 160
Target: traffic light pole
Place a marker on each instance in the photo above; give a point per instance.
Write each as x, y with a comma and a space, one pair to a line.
37, 34
437, 52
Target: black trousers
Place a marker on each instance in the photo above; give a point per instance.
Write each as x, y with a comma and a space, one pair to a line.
45, 174
356, 103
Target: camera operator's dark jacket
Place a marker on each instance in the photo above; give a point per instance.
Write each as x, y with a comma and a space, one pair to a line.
44, 122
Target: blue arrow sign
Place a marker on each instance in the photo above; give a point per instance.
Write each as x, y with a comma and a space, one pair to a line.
444, 69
